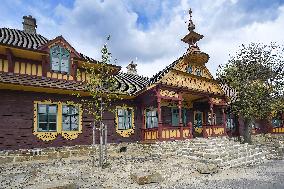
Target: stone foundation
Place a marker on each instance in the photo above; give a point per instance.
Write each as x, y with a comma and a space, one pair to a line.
214, 148
10, 156
272, 143
262, 138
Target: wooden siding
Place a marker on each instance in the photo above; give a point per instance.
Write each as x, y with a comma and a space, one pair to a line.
55, 75
16, 126
3, 65
28, 68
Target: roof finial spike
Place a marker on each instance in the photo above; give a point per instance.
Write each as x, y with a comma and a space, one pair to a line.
190, 12
191, 26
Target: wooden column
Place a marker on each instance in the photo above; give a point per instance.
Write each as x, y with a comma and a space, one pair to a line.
143, 123
44, 65
159, 114
11, 62
224, 120
211, 112
74, 70
204, 120
212, 118
180, 114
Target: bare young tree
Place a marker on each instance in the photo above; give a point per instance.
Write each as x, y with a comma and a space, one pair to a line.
101, 87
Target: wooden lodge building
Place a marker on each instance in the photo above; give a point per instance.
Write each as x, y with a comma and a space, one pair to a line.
38, 77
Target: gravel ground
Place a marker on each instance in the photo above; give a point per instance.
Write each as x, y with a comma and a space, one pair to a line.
269, 175
178, 172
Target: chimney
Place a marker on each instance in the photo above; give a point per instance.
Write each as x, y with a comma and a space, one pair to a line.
131, 68
29, 24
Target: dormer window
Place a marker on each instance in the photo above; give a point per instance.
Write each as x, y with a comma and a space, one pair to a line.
198, 72
60, 59
189, 69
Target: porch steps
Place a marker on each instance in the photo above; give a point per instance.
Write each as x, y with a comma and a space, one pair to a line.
222, 152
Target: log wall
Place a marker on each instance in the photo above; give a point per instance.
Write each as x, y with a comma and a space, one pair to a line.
16, 122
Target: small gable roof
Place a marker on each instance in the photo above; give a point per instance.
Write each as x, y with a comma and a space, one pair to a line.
20, 39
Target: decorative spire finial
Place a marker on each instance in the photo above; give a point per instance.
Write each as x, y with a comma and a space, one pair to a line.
190, 12
191, 26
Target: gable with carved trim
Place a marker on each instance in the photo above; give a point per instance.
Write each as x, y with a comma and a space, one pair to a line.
199, 84
193, 68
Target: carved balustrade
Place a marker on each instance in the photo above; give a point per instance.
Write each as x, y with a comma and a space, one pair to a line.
213, 130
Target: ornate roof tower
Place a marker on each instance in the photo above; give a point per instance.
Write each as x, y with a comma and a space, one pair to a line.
193, 53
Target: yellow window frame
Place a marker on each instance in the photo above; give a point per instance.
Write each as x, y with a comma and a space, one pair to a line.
197, 129
51, 135
126, 132
145, 114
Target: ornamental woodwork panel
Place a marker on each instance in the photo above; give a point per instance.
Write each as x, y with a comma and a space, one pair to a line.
218, 101
191, 82
168, 93
151, 135
279, 130
183, 65
215, 131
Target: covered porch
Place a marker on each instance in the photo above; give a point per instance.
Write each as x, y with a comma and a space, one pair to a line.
180, 115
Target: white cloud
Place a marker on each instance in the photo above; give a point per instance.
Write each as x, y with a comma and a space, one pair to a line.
228, 41
225, 25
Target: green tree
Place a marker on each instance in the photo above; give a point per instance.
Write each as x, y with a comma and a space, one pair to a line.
255, 74
101, 87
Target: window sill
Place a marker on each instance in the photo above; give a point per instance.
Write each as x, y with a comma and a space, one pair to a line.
60, 72
125, 133
70, 135
46, 136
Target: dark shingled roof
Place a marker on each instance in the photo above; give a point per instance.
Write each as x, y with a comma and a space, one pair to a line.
130, 84
18, 38
28, 80
160, 74
126, 83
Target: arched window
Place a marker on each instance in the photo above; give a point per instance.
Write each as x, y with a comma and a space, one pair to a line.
276, 122
189, 69
198, 72
59, 58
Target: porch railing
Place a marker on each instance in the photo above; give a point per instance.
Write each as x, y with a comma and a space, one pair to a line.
150, 134
278, 130
213, 130
168, 132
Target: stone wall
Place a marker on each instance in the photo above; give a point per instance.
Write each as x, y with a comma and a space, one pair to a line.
264, 138
272, 143
14, 156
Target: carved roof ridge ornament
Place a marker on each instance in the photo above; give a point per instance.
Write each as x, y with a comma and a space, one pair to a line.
191, 25
192, 37
193, 54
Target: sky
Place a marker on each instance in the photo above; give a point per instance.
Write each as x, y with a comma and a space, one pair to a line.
149, 32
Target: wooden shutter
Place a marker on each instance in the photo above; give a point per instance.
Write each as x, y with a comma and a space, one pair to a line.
55, 58
65, 57
184, 116
175, 117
